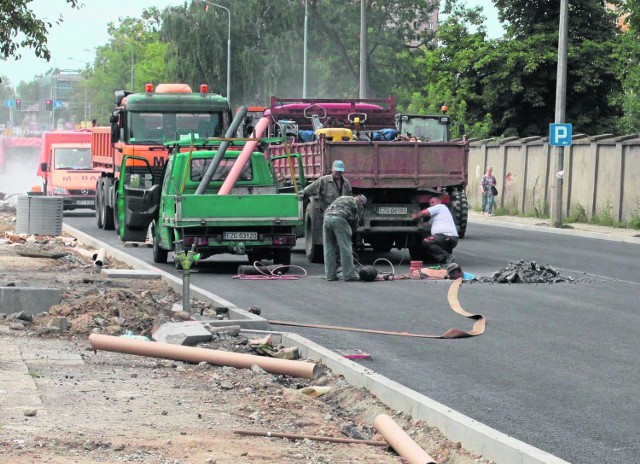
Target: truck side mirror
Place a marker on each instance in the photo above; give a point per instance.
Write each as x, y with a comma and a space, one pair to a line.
114, 132
43, 167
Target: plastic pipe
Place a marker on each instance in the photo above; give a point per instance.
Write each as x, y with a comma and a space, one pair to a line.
196, 355
400, 441
222, 148
99, 257
249, 147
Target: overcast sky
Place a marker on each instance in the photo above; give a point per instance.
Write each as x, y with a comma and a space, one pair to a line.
86, 28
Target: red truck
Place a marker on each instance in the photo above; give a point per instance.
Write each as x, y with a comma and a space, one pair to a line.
66, 169
141, 124
396, 173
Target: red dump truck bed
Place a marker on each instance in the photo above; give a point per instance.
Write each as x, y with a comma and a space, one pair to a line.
412, 165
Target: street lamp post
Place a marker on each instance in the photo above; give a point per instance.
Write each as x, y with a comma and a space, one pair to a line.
85, 91
228, 46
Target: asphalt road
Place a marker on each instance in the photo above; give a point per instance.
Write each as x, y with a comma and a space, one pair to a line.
558, 366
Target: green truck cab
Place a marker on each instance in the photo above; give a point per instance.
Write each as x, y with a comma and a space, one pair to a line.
257, 218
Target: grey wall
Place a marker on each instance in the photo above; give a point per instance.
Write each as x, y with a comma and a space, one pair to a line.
601, 174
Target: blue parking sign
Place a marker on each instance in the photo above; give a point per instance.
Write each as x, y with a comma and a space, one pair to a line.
560, 135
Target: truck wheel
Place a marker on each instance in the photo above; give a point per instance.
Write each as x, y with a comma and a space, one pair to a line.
460, 211
98, 211
159, 255
417, 253
381, 244
107, 211
282, 257
116, 212
314, 252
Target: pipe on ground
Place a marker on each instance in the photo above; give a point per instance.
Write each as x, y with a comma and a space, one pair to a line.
196, 355
400, 441
244, 156
99, 257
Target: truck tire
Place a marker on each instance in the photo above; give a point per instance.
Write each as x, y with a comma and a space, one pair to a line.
159, 255
381, 244
417, 252
460, 211
107, 211
98, 211
116, 213
314, 252
282, 257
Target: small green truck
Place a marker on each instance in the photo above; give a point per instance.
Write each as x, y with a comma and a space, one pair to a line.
256, 218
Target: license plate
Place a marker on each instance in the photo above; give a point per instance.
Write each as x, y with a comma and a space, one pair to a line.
85, 202
392, 210
240, 235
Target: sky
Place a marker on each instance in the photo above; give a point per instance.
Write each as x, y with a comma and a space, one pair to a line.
86, 28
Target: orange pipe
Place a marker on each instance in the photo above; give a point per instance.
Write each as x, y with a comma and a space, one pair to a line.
196, 355
400, 441
243, 157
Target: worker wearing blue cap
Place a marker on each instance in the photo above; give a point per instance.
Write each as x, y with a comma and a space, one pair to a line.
327, 189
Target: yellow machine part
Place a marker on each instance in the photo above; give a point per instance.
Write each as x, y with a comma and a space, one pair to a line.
335, 134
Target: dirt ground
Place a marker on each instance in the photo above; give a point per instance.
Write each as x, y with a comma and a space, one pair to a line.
111, 407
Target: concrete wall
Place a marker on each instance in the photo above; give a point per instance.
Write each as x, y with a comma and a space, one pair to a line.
601, 175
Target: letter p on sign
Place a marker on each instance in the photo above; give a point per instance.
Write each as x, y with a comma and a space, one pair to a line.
560, 135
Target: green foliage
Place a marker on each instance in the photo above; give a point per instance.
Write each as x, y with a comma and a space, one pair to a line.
578, 214
493, 87
21, 28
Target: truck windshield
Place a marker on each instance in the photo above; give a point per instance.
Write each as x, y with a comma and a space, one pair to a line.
199, 167
72, 158
158, 128
425, 129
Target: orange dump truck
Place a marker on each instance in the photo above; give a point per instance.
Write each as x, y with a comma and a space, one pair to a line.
66, 169
141, 124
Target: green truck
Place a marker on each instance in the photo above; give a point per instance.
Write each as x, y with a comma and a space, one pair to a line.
256, 218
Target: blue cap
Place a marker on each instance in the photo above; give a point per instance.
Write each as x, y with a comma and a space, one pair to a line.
338, 165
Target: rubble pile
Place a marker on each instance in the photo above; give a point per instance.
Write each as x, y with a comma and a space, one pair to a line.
521, 272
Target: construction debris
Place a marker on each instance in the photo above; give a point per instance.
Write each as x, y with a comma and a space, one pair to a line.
521, 272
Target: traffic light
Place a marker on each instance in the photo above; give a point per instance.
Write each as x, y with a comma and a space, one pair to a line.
18, 104
48, 105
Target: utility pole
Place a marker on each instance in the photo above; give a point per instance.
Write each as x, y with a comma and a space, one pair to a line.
364, 81
560, 113
304, 52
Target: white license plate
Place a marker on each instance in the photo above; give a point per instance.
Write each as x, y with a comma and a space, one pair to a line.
85, 202
392, 210
240, 235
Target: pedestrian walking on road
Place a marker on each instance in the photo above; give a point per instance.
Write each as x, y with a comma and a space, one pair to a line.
486, 189
341, 220
328, 188
439, 245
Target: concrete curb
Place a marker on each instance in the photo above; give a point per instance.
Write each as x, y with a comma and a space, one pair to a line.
474, 436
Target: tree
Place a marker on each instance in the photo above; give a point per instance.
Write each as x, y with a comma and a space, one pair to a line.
520, 73
267, 46
447, 72
21, 28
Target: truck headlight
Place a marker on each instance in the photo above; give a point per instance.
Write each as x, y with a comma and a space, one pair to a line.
60, 191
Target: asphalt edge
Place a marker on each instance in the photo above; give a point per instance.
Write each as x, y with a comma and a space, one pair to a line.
495, 221
473, 435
